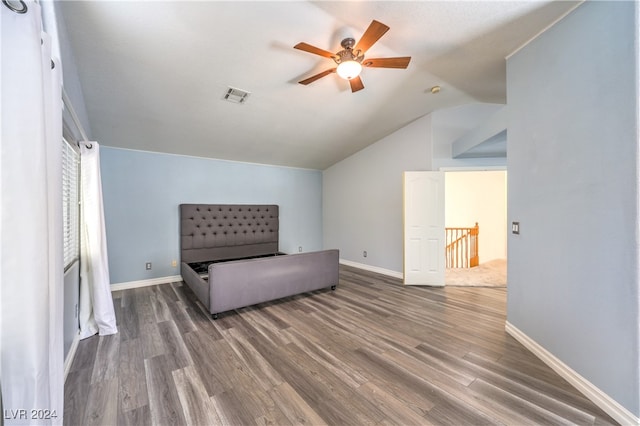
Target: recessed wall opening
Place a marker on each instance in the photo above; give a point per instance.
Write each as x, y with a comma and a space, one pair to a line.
476, 197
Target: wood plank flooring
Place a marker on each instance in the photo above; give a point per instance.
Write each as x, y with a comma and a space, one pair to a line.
373, 352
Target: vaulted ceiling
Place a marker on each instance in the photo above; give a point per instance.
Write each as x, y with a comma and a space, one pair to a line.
154, 73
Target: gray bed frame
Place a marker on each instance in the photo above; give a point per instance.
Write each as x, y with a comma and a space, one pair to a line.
247, 269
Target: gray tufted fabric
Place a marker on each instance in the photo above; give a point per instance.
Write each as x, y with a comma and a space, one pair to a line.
227, 231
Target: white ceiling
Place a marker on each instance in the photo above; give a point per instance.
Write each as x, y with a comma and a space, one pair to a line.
154, 72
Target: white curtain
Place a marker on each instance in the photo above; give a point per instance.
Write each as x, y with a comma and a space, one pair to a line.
31, 270
96, 304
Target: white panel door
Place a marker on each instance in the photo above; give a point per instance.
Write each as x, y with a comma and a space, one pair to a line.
424, 234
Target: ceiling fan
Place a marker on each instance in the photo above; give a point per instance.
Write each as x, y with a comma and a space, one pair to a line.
350, 59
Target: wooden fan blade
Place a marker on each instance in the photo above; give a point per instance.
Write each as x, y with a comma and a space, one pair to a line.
401, 62
317, 76
371, 35
356, 84
312, 49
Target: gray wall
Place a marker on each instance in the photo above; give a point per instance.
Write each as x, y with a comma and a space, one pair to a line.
362, 196
573, 185
142, 192
451, 124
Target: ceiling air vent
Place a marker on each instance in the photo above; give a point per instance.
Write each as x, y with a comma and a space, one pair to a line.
236, 96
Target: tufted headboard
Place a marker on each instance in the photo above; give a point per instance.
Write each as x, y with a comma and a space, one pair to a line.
227, 231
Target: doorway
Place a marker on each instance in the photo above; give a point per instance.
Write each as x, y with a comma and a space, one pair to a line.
479, 196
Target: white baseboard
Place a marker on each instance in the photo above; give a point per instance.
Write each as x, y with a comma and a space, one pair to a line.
588, 389
376, 269
145, 283
71, 355
174, 278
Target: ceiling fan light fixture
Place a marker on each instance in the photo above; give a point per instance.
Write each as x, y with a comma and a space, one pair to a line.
350, 59
349, 69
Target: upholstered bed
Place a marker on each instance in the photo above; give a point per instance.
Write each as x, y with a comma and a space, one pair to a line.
230, 257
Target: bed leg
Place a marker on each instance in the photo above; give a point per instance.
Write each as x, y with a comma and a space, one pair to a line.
214, 316
333, 287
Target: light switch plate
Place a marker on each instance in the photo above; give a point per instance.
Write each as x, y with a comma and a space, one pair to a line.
515, 228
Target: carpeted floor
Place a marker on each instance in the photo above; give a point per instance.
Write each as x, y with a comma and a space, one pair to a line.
488, 274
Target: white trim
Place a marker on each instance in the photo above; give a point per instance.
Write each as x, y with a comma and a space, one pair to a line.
375, 269
145, 283
545, 29
71, 355
473, 169
67, 103
588, 389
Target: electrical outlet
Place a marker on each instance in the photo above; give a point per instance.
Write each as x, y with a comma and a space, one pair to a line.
515, 228
364, 253
147, 266
300, 249
174, 263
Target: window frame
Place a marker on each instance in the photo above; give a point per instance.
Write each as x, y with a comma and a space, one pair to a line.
70, 202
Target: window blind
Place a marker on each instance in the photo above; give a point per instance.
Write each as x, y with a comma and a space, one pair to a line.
70, 205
